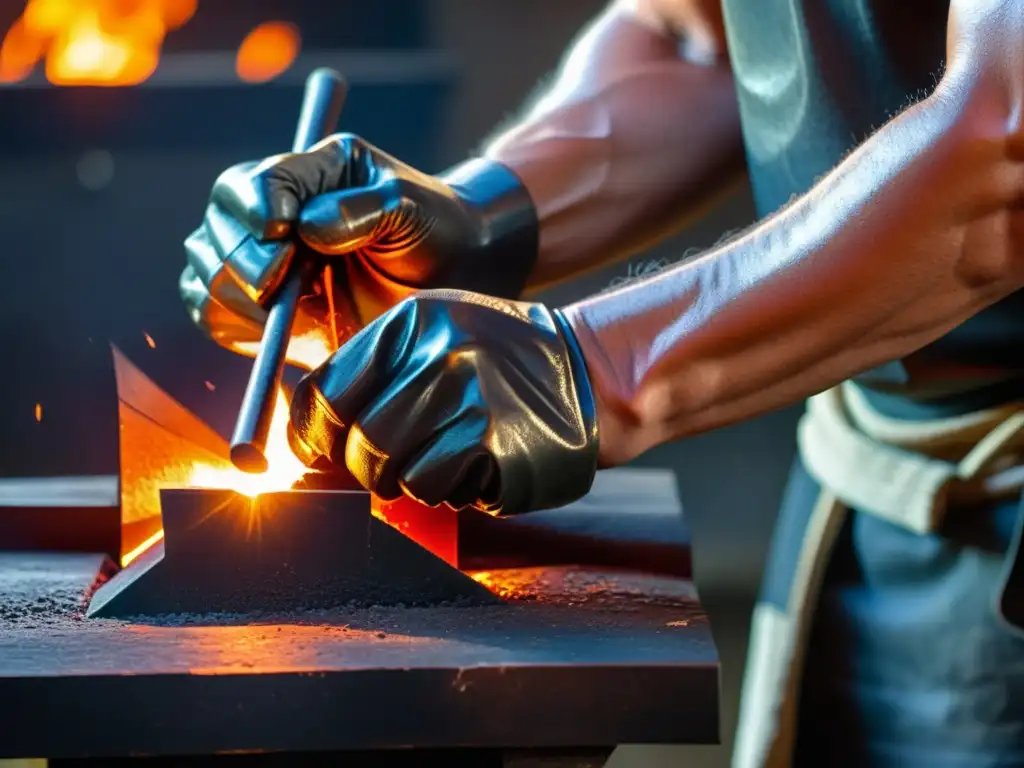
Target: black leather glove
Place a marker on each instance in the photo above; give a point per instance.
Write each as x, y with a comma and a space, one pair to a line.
456, 398
393, 229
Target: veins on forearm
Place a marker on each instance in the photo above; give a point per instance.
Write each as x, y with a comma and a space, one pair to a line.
876, 261
628, 143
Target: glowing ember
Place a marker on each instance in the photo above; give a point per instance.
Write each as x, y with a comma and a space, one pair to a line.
149, 340
210, 385
513, 583
39, 411
91, 42
284, 468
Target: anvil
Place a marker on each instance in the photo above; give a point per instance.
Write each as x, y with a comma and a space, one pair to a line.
257, 627
632, 519
299, 550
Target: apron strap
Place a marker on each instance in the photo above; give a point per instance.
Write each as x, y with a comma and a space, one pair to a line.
767, 727
905, 487
909, 473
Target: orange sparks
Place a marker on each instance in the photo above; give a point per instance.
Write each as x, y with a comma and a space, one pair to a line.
91, 42
209, 385
128, 557
39, 411
267, 51
149, 340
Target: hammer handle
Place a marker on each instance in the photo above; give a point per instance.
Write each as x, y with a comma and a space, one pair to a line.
321, 108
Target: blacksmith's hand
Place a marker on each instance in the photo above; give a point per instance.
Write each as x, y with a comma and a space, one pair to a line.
455, 398
386, 229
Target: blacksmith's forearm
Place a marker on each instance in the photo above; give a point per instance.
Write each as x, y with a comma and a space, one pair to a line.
899, 244
629, 142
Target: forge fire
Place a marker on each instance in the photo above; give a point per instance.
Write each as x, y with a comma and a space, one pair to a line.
119, 42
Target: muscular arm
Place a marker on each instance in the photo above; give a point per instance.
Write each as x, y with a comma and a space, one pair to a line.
920, 228
637, 133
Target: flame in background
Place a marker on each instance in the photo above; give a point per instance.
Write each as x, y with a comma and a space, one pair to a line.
284, 470
118, 42
91, 42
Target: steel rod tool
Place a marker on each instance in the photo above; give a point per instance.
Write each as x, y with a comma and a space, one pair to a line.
321, 108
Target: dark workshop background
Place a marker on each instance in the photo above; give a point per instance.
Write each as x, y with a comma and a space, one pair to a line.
100, 186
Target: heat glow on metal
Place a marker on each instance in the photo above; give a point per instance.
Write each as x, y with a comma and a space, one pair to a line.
284, 470
129, 557
152, 466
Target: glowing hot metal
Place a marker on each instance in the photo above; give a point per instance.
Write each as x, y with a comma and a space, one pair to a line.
164, 446
284, 470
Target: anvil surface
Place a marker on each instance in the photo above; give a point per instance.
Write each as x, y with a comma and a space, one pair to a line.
572, 658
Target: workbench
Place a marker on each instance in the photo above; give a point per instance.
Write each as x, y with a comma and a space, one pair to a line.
576, 661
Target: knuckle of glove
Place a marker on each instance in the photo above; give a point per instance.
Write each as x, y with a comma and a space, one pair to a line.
315, 431
239, 192
294, 180
267, 196
459, 399
343, 156
542, 436
372, 466
194, 295
494, 403
331, 164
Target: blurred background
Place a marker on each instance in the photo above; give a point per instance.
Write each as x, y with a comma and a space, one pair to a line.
100, 185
